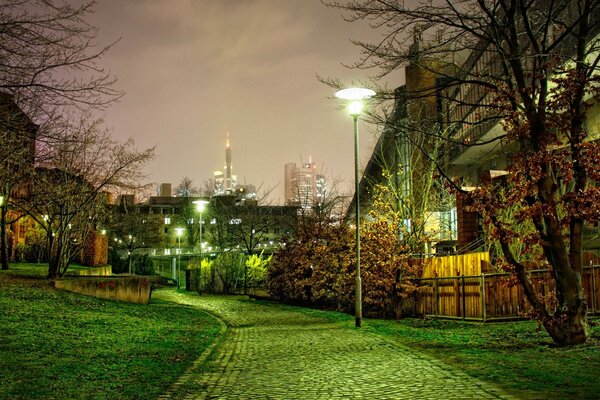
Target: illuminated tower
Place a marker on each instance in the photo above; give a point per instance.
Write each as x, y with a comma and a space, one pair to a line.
228, 177
224, 181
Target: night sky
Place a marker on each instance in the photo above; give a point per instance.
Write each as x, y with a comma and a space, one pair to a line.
194, 70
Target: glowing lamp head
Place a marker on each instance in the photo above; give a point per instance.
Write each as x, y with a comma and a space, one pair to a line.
354, 93
179, 231
200, 204
355, 108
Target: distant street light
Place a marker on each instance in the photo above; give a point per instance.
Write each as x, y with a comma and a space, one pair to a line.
356, 96
179, 232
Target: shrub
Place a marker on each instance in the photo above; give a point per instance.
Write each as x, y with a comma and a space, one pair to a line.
119, 265
143, 265
224, 274
229, 267
256, 270
202, 277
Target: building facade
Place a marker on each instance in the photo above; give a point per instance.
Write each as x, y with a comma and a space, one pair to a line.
303, 185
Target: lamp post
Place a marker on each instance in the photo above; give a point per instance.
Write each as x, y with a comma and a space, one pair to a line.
355, 96
200, 204
179, 232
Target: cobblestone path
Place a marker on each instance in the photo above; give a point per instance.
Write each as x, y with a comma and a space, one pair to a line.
279, 353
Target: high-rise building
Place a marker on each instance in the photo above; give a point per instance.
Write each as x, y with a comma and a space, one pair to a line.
224, 181
303, 186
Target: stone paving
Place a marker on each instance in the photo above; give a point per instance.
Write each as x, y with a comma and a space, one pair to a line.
279, 353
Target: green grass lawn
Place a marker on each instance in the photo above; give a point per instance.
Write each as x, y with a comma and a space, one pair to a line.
61, 345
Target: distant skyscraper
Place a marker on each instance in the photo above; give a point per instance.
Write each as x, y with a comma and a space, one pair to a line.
228, 177
303, 186
225, 182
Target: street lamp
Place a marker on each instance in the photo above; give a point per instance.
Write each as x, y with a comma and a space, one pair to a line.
179, 232
355, 96
200, 204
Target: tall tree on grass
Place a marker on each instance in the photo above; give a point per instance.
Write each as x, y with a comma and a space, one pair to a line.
17, 155
531, 66
49, 62
68, 196
133, 230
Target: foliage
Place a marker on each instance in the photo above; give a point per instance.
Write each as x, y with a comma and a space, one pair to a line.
531, 68
95, 249
119, 265
226, 273
314, 267
317, 266
202, 277
34, 248
256, 267
135, 351
229, 268
143, 265
132, 230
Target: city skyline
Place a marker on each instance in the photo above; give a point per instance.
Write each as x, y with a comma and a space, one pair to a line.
194, 71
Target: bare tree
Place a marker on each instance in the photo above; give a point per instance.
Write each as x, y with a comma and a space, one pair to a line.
133, 230
17, 135
49, 64
186, 188
67, 198
50, 57
515, 79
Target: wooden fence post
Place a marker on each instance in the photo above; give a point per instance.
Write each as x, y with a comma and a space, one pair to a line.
593, 272
436, 296
482, 294
464, 299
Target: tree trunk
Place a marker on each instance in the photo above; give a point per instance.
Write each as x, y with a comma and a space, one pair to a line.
3, 240
569, 327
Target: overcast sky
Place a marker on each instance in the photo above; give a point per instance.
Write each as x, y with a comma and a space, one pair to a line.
194, 70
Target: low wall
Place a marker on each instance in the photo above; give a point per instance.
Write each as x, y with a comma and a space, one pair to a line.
131, 289
98, 271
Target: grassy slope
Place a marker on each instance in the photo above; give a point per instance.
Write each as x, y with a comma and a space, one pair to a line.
60, 345
56, 344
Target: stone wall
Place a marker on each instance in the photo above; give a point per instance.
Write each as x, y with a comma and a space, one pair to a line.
99, 271
131, 289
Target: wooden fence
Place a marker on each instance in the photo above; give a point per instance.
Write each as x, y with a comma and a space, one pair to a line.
460, 264
489, 297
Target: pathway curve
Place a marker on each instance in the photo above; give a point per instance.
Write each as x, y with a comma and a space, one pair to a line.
278, 353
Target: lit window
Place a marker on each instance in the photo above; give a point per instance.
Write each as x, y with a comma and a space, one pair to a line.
167, 221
